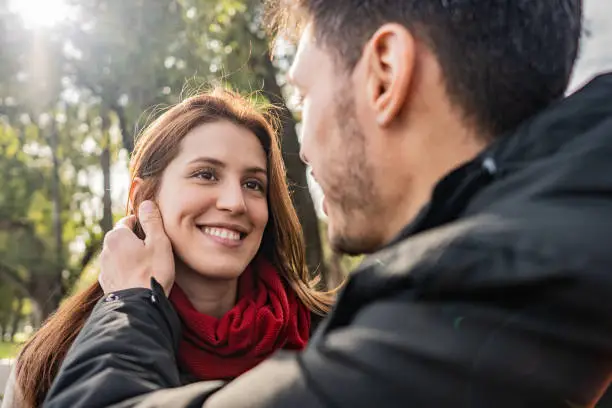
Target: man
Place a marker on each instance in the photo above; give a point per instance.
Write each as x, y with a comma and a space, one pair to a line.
439, 134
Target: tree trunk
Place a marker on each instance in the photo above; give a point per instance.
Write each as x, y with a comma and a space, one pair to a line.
296, 171
127, 137
49, 305
56, 198
16, 318
105, 162
46, 296
11, 276
48, 289
3, 327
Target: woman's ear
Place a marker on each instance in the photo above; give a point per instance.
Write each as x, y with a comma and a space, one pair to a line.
134, 188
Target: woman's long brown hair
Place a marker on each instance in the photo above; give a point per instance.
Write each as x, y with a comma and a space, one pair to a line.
283, 241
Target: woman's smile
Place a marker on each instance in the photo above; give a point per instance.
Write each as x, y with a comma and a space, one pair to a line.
228, 237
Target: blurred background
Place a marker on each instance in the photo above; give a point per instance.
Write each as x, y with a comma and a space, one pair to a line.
80, 78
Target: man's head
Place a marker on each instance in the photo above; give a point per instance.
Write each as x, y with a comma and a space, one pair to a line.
399, 92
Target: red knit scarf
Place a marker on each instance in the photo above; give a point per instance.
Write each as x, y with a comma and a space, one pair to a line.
268, 316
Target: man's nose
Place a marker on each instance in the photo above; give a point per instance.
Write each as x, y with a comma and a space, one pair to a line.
231, 198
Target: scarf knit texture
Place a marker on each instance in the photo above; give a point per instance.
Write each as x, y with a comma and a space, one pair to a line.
267, 316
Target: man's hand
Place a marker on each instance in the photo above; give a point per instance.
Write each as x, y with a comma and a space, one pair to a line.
129, 262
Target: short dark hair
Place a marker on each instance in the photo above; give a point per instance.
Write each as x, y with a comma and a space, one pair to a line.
503, 60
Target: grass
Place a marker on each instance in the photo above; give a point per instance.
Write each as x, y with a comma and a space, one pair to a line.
9, 350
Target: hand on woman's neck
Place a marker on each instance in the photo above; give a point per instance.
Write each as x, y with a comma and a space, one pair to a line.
212, 297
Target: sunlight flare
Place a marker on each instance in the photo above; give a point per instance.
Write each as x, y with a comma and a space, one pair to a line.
40, 13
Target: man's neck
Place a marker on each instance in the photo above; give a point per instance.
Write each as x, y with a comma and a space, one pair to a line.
448, 147
212, 297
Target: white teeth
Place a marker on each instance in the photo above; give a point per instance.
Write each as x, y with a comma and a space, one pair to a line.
222, 233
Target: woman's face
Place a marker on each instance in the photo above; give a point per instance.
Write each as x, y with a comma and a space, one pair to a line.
213, 199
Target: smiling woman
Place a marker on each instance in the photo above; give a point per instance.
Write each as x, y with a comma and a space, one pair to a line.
214, 167
40, 13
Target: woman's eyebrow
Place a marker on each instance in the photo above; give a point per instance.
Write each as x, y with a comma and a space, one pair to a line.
219, 163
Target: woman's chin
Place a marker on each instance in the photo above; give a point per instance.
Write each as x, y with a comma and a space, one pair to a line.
214, 267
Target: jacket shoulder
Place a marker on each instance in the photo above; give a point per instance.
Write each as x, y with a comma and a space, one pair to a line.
473, 253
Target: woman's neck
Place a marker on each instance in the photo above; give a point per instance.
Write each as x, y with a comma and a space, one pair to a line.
212, 297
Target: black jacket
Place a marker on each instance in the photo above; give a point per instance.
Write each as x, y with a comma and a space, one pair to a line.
498, 295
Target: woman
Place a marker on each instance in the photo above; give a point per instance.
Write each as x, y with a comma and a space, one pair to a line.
214, 167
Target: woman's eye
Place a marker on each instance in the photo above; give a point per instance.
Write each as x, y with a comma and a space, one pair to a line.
205, 175
254, 185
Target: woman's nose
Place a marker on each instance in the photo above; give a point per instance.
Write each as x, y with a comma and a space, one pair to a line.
231, 197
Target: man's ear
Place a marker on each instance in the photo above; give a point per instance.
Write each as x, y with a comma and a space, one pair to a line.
134, 188
390, 59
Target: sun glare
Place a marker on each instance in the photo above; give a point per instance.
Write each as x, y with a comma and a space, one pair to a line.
40, 13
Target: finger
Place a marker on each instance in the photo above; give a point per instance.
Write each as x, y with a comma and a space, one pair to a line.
128, 222
120, 238
151, 222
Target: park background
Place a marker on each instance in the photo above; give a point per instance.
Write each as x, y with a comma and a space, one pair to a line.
80, 78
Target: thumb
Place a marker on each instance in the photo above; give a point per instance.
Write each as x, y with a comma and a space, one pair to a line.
151, 222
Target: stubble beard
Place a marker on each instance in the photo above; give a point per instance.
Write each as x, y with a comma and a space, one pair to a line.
352, 190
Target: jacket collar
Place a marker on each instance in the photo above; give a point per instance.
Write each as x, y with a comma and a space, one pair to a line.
561, 123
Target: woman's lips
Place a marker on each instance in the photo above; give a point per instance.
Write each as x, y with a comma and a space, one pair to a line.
223, 236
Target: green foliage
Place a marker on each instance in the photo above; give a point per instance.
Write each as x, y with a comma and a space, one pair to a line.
347, 263
9, 350
73, 98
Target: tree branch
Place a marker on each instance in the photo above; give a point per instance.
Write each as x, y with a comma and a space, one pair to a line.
93, 246
11, 276
126, 136
7, 224
90, 251
16, 225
